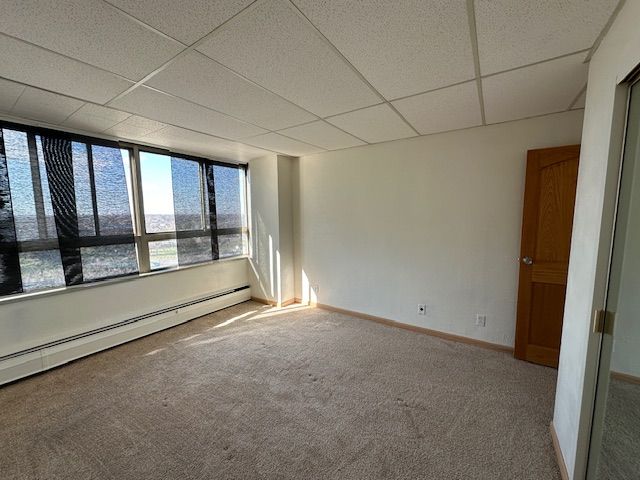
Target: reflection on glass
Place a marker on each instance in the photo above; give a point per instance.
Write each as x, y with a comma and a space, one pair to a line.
157, 192
41, 270
229, 185
20, 179
231, 245
112, 196
163, 254
82, 181
187, 194
108, 261
194, 250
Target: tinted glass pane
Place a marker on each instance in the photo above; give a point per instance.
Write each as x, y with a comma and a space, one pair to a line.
194, 250
82, 183
21, 184
163, 254
99, 174
229, 185
46, 193
108, 261
231, 245
157, 192
41, 270
112, 194
187, 194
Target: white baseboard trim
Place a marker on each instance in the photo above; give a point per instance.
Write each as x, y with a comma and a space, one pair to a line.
564, 473
48, 357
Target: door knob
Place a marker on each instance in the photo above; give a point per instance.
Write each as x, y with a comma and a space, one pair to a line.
527, 261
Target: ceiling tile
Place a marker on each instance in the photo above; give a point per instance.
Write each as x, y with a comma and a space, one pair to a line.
445, 109
192, 76
44, 106
322, 134
542, 88
280, 144
512, 33
166, 108
374, 124
34, 66
392, 42
275, 47
186, 141
187, 20
135, 127
9, 93
95, 118
91, 31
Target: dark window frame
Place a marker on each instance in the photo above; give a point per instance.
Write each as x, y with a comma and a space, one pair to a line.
141, 237
144, 237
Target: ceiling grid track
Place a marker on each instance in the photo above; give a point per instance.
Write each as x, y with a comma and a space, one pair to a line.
533, 64
193, 47
40, 47
471, 14
605, 29
301, 141
184, 48
24, 87
252, 82
350, 65
73, 113
182, 53
143, 24
577, 97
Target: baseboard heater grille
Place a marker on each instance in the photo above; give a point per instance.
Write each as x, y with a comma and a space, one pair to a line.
120, 324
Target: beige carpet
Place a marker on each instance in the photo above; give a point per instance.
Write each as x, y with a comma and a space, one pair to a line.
252, 392
620, 456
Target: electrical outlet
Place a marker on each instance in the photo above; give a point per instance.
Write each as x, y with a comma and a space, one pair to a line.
481, 320
422, 309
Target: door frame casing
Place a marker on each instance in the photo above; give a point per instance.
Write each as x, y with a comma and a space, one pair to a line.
605, 241
596, 411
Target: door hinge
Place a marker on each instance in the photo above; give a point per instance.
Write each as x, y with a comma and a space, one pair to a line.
603, 321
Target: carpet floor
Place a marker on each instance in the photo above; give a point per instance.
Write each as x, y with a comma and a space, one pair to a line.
253, 392
619, 458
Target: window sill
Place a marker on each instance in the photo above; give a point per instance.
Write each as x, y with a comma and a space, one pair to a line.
20, 297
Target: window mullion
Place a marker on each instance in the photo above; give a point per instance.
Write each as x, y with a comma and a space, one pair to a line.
142, 241
36, 182
92, 184
203, 197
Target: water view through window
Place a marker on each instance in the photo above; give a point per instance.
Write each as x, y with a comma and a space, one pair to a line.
92, 238
102, 206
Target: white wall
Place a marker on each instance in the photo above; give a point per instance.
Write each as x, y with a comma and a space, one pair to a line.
285, 213
271, 263
265, 231
433, 220
41, 319
617, 55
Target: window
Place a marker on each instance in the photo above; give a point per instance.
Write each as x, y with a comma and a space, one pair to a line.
178, 198
75, 210
231, 216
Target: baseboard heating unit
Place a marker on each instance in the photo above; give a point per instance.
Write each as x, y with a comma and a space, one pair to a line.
43, 357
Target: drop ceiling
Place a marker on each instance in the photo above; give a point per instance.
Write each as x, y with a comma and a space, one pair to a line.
238, 78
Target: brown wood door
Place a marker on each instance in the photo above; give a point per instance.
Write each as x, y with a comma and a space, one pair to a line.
549, 198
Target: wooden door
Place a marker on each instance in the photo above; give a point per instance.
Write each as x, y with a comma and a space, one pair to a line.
549, 198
